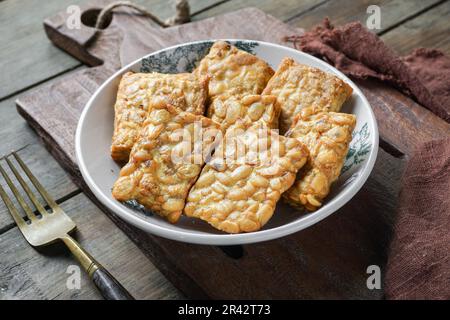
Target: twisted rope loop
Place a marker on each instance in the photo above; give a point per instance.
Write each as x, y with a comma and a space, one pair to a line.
182, 13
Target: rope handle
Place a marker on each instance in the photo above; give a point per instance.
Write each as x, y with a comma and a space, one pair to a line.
182, 13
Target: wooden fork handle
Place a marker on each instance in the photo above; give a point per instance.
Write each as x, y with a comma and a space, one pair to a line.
108, 286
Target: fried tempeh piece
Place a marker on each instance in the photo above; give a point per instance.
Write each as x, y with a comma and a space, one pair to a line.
166, 160
237, 190
233, 71
138, 91
307, 90
327, 136
250, 109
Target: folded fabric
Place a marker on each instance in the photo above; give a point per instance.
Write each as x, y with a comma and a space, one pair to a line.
419, 260
424, 75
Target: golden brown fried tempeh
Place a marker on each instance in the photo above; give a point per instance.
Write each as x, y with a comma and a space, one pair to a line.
166, 160
327, 136
306, 90
250, 109
138, 91
233, 71
238, 191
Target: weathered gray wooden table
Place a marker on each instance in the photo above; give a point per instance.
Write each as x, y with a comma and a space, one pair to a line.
28, 60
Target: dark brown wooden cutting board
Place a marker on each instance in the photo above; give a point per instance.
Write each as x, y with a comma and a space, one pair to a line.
327, 260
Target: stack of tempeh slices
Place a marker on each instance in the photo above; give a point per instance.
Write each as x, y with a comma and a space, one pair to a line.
230, 167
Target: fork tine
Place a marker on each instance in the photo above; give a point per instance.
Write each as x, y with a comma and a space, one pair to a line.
27, 189
19, 198
12, 209
52, 203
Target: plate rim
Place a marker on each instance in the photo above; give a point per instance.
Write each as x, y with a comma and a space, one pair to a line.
228, 239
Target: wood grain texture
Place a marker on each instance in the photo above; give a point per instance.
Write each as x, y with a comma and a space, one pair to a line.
72, 91
232, 25
328, 260
43, 274
17, 134
298, 256
404, 114
105, 48
403, 123
430, 29
344, 11
26, 54
282, 10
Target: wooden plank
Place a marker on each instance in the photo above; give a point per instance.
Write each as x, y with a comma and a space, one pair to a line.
52, 176
387, 102
164, 9
345, 276
430, 29
72, 91
41, 274
18, 134
344, 11
282, 10
397, 114
328, 260
26, 54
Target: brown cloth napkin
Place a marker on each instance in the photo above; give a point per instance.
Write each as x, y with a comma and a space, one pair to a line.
424, 75
419, 260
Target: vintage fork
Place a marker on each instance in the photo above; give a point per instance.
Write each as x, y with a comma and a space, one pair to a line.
52, 226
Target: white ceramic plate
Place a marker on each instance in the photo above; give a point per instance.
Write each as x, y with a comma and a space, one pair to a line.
93, 139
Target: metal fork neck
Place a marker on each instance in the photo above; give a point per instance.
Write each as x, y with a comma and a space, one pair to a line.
86, 260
